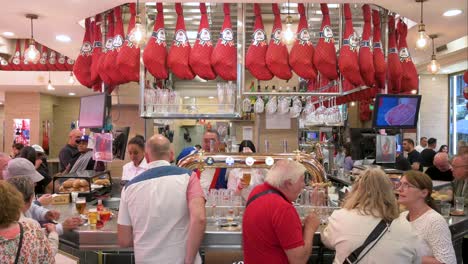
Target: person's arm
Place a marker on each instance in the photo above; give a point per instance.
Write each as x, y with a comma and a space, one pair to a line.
301, 254
125, 235
53, 238
196, 228
429, 260
37, 212
440, 241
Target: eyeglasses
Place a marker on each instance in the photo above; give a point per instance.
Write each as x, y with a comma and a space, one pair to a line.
406, 186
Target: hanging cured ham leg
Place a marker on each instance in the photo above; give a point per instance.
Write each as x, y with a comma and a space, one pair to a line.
128, 60
394, 66
409, 77
155, 53
202, 49
82, 68
378, 55
277, 53
224, 56
255, 59
325, 53
366, 62
179, 54
301, 58
348, 62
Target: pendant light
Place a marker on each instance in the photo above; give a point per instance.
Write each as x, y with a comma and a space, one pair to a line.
138, 34
423, 39
49, 85
288, 34
434, 66
71, 79
32, 55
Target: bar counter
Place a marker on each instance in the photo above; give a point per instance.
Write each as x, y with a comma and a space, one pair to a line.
87, 238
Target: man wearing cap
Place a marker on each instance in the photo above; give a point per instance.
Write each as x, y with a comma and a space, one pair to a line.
71, 149
23, 167
43, 168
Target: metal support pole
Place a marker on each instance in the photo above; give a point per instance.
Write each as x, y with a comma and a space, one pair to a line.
340, 43
240, 54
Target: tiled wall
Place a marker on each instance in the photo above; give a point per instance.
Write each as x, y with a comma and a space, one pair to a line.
434, 111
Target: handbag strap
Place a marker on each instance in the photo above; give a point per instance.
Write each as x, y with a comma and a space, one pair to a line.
377, 233
258, 195
20, 245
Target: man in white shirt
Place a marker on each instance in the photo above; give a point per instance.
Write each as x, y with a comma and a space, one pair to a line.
162, 210
422, 144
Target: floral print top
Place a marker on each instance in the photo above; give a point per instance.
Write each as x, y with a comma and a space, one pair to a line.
35, 249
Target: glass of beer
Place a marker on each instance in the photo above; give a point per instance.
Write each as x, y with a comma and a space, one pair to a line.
80, 204
92, 216
246, 177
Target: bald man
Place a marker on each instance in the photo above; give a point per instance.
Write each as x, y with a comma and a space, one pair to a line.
71, 149
162, 210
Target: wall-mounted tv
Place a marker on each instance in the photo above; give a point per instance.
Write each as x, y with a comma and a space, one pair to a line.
92, 111
396, 111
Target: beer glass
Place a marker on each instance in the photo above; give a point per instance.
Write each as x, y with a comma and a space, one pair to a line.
246, 177
80, 205
92, 216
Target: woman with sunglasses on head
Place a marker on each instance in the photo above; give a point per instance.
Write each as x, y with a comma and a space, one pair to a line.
415, 194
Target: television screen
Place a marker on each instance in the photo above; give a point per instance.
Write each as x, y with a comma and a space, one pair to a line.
396, 111
92, 111
312, 135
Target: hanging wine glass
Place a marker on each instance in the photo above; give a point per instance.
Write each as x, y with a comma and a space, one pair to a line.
272, 105
259, 105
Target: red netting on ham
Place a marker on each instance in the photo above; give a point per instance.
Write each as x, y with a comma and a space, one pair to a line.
110, 62
325, 53
348, 62
155, 54
255, 59
107, 48
128, 60
82, 68
301, 57
366, 62
379, 58
15, 61
44, 58
97, 49
70, 63
409, 78
61, 63
402, 114
202, 49
277, 57
394, 70
224, 56
179, 54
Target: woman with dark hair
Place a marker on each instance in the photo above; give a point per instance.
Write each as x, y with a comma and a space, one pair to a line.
29, 153
242, 181
137, 164
443, 148
415, 194
16, 149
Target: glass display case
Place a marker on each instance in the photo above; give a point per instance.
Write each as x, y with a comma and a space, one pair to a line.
87, 183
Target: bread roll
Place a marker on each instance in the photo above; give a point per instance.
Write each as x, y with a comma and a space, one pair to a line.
68, 184
62, 189
83, 189
76, 183
83, 183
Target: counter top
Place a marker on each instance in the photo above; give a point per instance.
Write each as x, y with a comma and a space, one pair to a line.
105, 238
347, 182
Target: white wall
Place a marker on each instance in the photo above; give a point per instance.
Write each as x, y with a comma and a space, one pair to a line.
434, 111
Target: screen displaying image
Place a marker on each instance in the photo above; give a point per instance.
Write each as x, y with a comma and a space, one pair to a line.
396, 111
92, 111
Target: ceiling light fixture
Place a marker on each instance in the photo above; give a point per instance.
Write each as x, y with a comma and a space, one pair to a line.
452, 12
8, 34
71, 94
63, 38
423, 39
32, 54
434, 66
138, 34
414, 91
288, 34
49, 85
71, 80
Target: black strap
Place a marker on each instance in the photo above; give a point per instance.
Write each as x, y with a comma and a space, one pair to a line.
20, 245
258, 195
378, 232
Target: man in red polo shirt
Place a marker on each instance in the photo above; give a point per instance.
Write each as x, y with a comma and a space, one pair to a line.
272, 230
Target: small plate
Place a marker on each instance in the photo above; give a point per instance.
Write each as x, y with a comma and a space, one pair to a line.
457, 213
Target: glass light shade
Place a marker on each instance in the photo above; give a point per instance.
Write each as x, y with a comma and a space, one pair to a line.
50, 87
71, 80
138, 34
423, 40
32, 55
288, 34
433, 67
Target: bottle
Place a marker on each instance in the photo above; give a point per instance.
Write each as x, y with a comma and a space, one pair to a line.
99, 206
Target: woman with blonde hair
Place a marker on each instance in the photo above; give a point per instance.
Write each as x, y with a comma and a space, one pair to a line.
415, 194
371, 208
20, 242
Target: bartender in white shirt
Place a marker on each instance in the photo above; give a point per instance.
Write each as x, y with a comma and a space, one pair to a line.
137, 164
